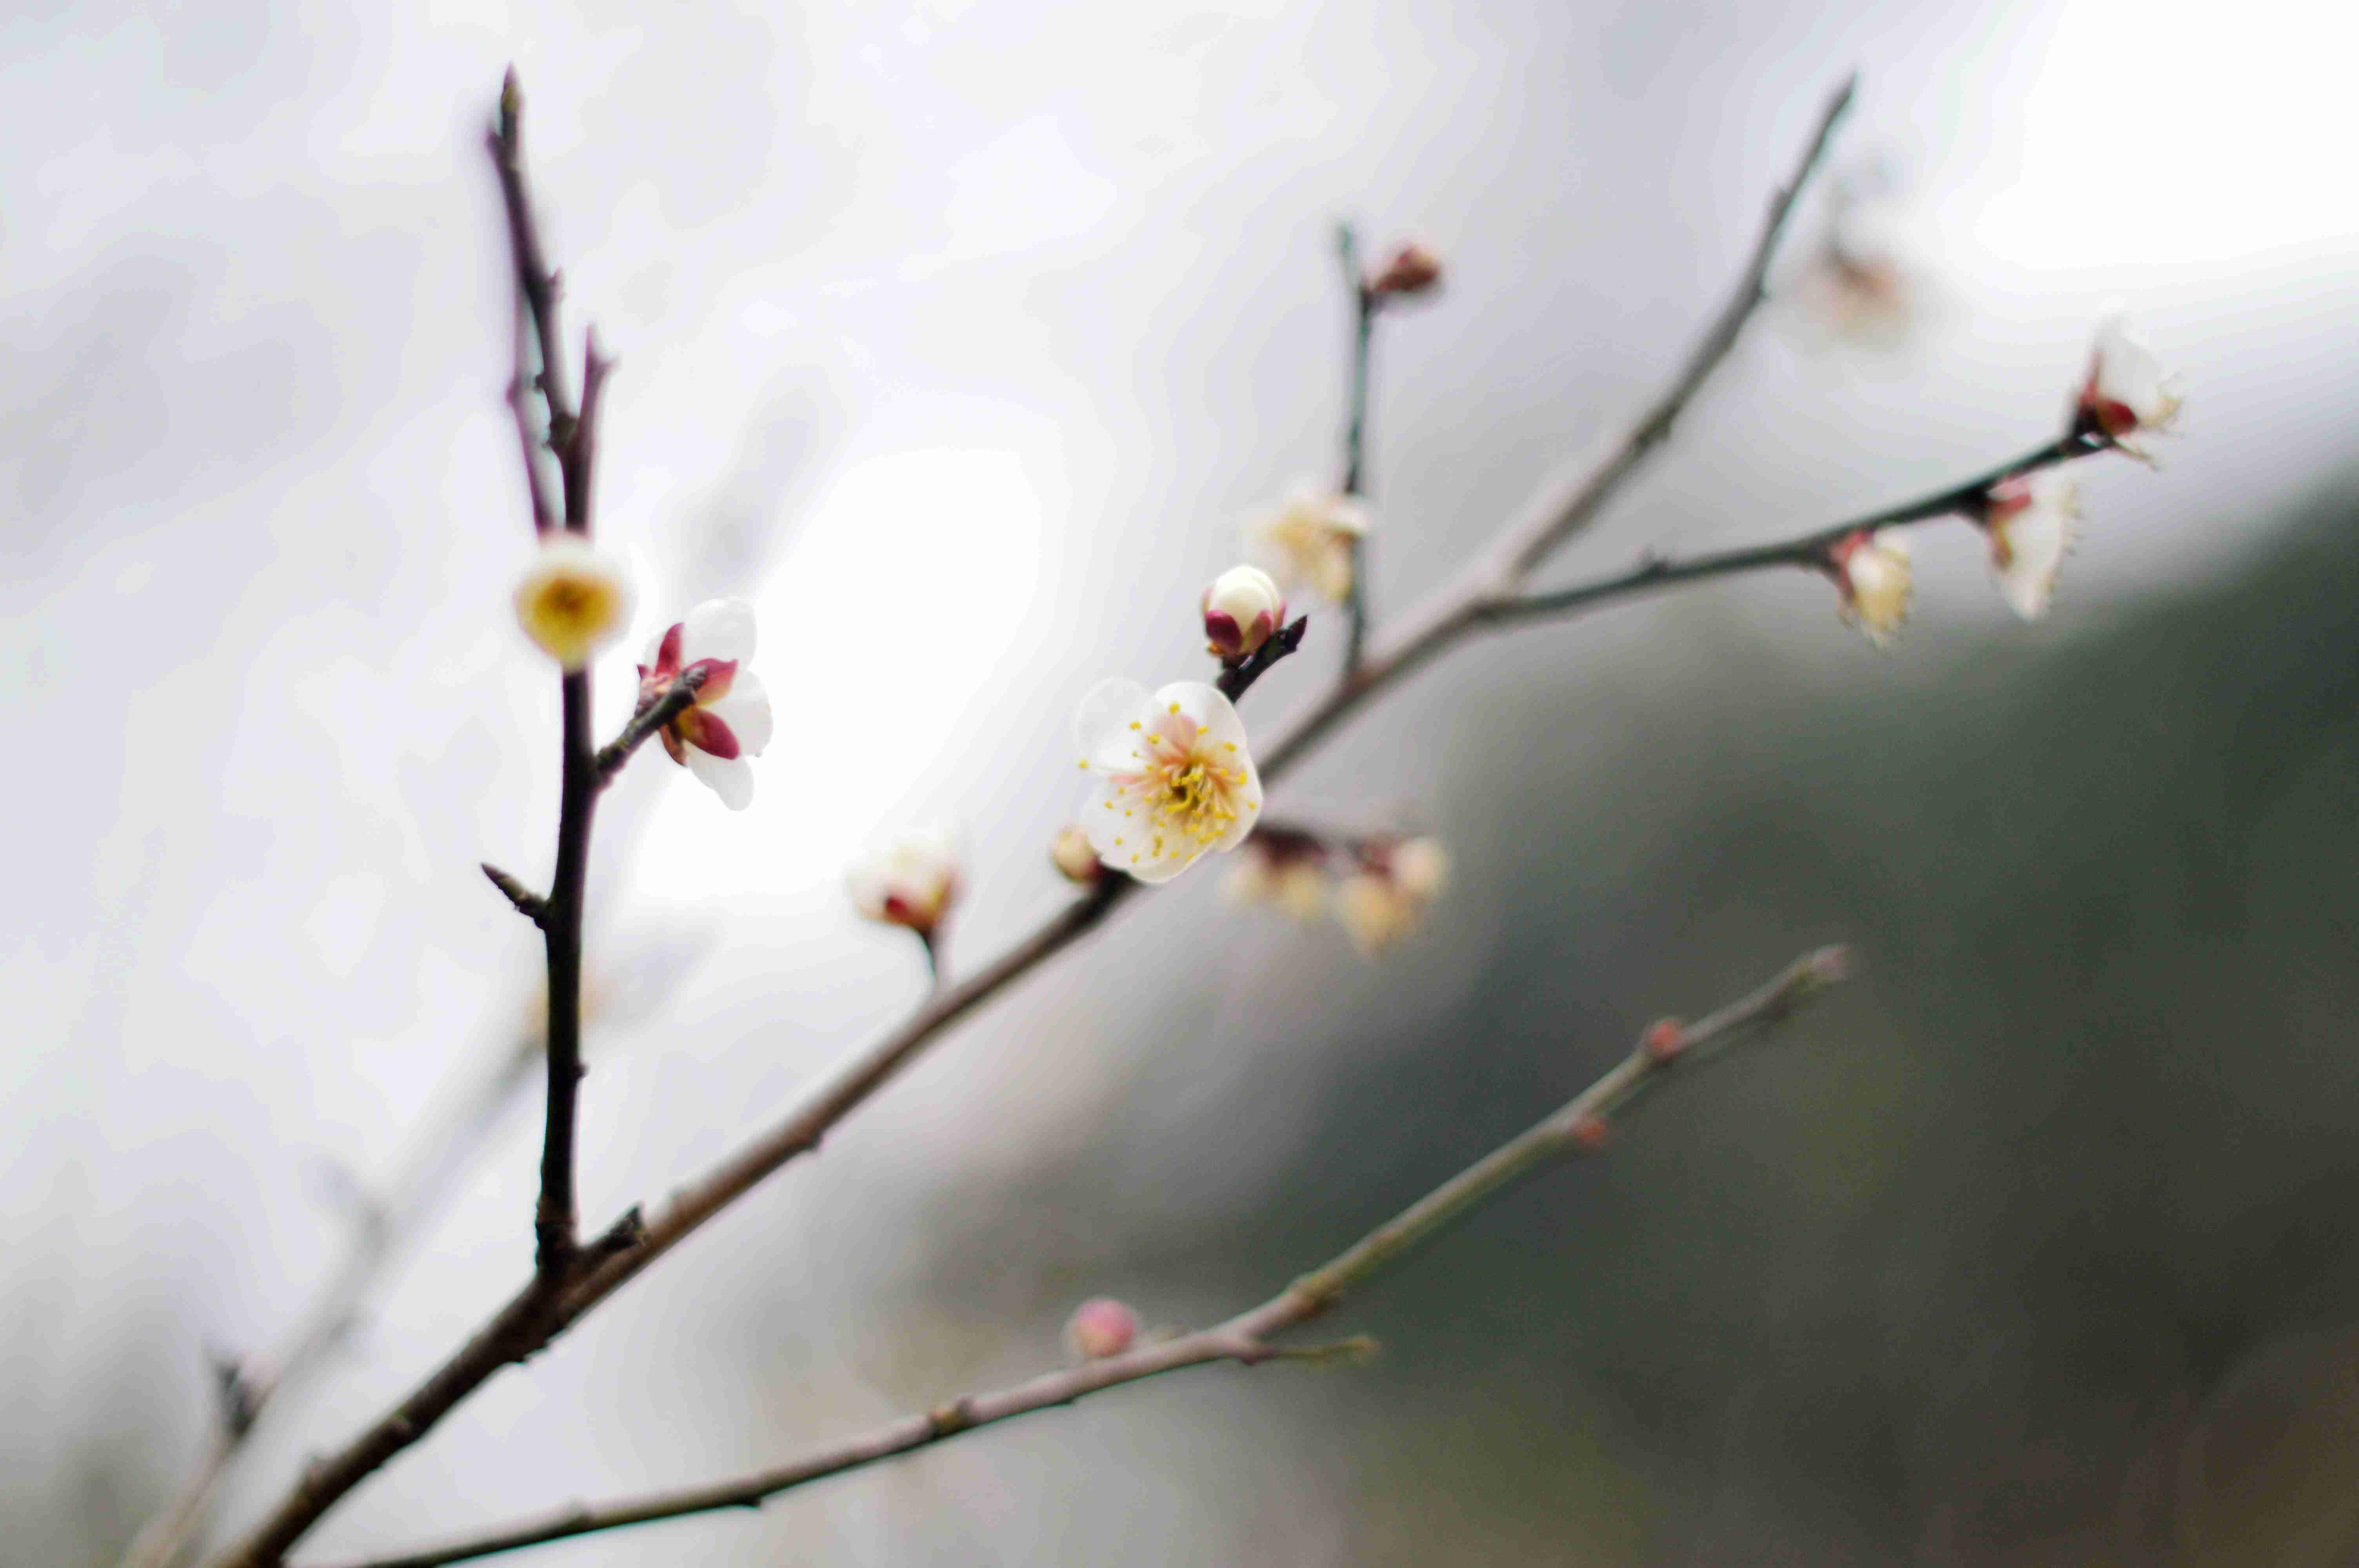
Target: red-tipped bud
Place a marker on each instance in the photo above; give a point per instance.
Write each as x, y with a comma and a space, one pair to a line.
1664, 1040
1242, 609
1411, 269
1591, 1133
912, 882
1101, 1327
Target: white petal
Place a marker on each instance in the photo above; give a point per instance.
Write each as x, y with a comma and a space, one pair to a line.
1102, 729
746, 711
1178, 857
1214, 714
1102, 820
2036, 538
718, 629
1248, 806
732, 780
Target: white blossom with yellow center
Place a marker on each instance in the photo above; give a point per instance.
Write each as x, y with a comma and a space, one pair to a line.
1174, 778
573, 599
1308, 543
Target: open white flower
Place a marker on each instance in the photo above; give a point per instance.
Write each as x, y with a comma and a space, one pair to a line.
2125, 391
912, 882
730, 720
1174, 777
2031, 519
1872, 570
1308, 542
573, 599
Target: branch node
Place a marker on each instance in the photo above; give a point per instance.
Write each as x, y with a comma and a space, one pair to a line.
528, 903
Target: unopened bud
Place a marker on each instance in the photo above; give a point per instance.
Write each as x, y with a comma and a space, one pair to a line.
1664, 1040
1872, 570
1075, 858
1591, 1133
1101, 1327
912, 883
1411, 269
1242, 609
572, 601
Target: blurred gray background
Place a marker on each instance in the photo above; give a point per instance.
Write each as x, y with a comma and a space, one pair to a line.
960, 336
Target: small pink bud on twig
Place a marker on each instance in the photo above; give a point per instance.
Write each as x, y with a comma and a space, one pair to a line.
1101, 1327
1591, 1133
912, 883
1664, 1040
1242, 609
1412, 269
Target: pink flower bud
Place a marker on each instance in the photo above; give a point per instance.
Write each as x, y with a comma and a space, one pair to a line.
1411, 269
1101, 1327
1591, 1133
1664, 1040
1242, 609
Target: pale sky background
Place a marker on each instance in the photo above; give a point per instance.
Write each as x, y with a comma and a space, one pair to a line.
958, 337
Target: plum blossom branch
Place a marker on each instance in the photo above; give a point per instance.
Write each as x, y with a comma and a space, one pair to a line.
1365, 303
545, 1307
1809, 550
1573, 1130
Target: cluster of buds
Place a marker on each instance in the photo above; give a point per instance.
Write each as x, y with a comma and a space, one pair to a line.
1379, 894
910, 882
1309, 542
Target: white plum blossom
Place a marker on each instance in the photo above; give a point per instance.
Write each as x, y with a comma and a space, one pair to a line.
1384, 901
1174, 778
2125, 391
1242, 609
730, 720
912, 882
2031, 519
573, 599
1308, 543
1872, 570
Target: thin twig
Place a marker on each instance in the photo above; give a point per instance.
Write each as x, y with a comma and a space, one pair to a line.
532, 1317
1364, 304
648, 722
1243, 1338
1806, 550
1236, 679
420, 1185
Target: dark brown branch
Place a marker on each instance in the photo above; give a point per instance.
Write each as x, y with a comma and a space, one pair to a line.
1365, 303
1236, 678
648, 722
1245, 1338
553, 1216
519, 399
506, 143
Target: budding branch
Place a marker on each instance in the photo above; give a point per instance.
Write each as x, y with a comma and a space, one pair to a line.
1245, 1338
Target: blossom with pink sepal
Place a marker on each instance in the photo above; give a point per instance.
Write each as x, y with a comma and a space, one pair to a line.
730, 720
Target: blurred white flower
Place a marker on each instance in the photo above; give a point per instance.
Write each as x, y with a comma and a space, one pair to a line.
912, 882
730, 720
1242, 609
1384, 901
573, 599
1292, 875
1412, 269
1101, 1327
1308, 542
2125, 391
2031, 519
1872, 570
1174, 777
